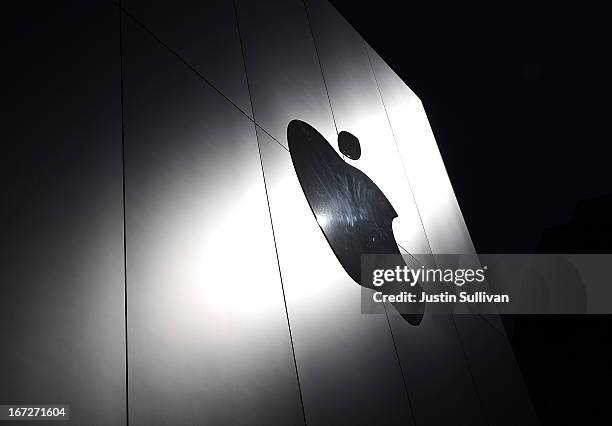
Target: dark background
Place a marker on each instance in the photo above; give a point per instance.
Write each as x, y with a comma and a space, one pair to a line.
517, 94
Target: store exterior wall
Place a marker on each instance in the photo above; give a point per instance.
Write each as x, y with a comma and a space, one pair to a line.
188, 243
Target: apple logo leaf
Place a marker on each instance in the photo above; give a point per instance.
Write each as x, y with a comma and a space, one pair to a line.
349, 145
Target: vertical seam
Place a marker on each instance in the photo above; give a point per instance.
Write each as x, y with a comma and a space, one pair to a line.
270, 213
424, 230
397, 147
469, 367
314, 40
426, 236
125, 290
399, 362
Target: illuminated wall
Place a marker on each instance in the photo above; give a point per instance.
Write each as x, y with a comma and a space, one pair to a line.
238, 313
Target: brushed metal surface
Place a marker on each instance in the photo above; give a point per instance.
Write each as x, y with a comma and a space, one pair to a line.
430, 353
438, 207
203, 33
434, 364
440, 212
209, 339
348, 369
61, 219
440, 385
282, 67
358, 109
496, 374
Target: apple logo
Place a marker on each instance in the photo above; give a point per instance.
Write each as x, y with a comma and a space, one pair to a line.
353, 213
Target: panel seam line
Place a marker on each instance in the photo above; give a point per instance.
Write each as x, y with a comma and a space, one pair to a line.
263, 173
314, 40
125, 289
199, 74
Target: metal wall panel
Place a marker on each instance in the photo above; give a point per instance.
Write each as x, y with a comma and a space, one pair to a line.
62, 288
209, 341
358, 109
440, 213
205, 35
434, 364
282, 67
419, 152
348, 370
438, 377
498, 378
208, 335
431, 355
492, 363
